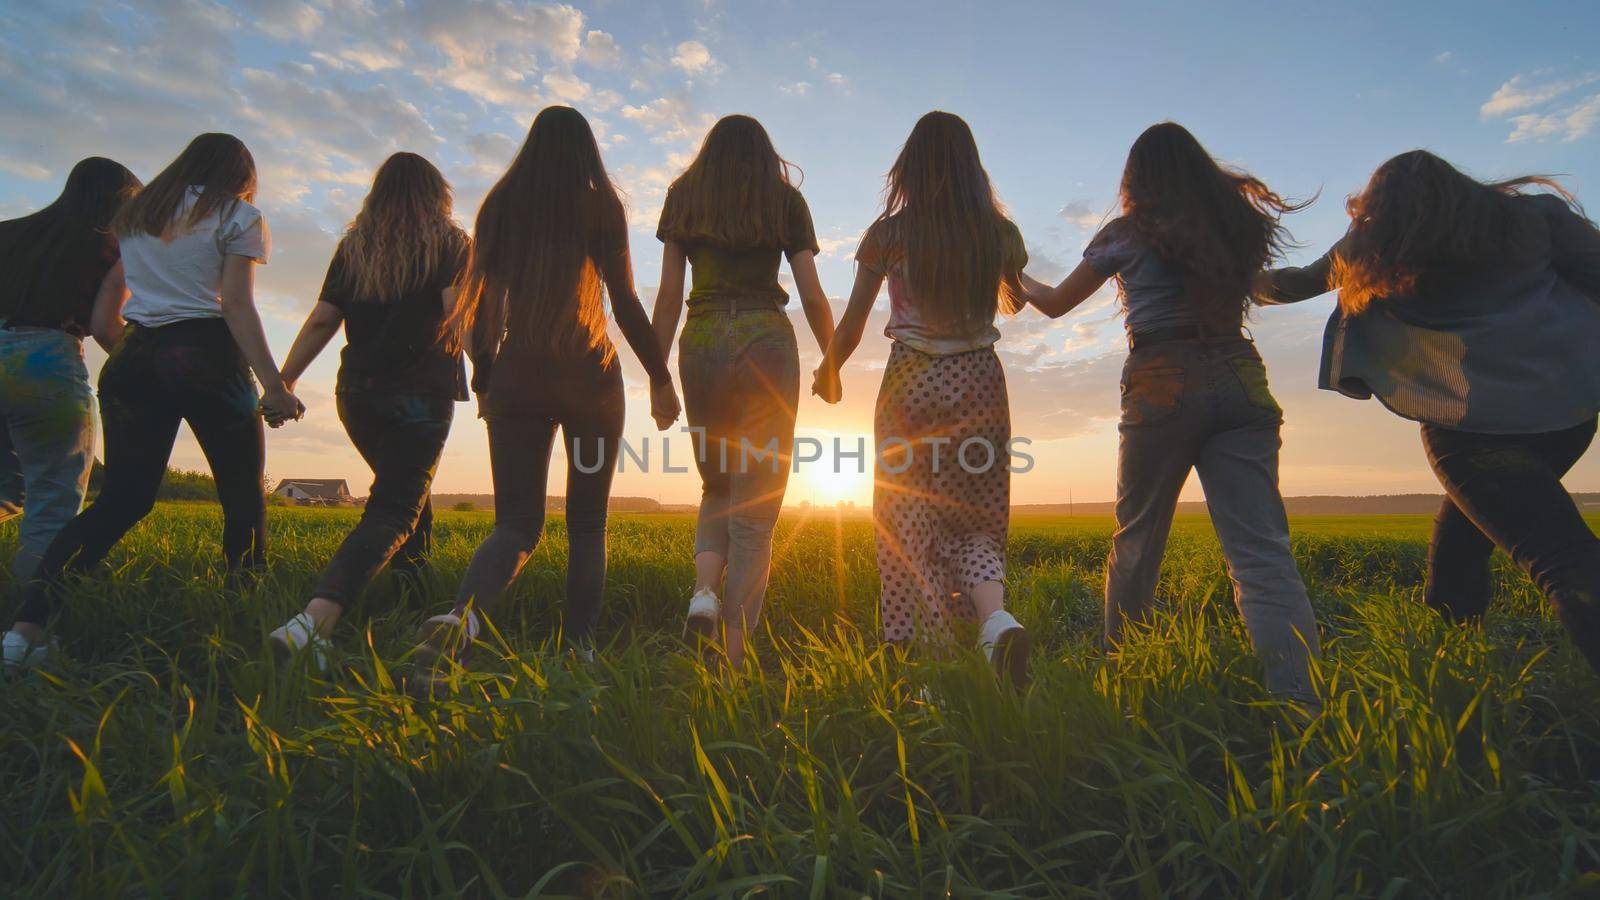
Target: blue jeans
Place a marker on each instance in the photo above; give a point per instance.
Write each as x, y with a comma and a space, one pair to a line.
46, 437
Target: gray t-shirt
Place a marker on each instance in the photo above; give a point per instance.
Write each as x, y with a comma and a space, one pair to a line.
1153, 294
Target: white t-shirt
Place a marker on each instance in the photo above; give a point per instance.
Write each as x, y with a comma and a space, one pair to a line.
170, 281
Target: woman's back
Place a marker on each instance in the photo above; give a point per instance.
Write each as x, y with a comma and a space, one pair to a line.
396, 344
178, 276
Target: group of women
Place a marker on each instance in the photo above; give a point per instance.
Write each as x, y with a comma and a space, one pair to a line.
1472, 308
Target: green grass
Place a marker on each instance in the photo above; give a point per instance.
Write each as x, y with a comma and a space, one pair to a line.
170, 757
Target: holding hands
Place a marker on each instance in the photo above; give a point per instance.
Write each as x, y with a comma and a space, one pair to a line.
664, 407
825, 383
279, 405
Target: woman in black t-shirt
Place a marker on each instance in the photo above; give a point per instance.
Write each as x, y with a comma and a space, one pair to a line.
391, 285
55, 265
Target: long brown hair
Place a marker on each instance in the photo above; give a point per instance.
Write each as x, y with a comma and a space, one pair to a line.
952, 228
403, 233
1218, 225
736, 193
536, 240
1419, 215
219, 164
44, 254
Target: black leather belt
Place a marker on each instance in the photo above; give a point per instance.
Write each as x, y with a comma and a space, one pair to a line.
1176, 333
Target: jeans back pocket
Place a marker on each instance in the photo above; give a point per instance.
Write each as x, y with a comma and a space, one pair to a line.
1150, 395
1252, 375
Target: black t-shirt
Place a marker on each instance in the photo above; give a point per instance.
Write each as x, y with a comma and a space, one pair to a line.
57, 290
395, 346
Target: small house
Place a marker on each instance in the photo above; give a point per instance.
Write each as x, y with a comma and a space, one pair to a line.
315, 491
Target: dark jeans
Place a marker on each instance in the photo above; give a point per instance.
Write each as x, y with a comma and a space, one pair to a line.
1205, 405
523, 412
401, 437
1505, 490
158, 378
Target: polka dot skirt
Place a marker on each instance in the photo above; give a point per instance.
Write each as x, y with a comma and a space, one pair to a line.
941, 525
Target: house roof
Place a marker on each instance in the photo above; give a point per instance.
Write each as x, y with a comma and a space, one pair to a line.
323, 488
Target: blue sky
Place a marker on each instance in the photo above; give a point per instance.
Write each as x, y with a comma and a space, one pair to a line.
1310, 97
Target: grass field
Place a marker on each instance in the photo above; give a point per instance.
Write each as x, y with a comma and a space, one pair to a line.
170, 757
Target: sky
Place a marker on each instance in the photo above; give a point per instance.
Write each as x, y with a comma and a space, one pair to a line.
1310, 97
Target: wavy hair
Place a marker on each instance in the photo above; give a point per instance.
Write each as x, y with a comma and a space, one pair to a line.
403, 233
1419, 217
1218, 225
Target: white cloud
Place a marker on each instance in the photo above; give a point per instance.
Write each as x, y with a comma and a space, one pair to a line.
1444, 58
1526, 91
669, 120
798, 89
1080, 214
693, 58
600, 49
1530, 103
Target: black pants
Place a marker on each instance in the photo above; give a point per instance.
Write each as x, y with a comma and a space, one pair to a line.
1505, 490
189, 371
523, 414
401, 437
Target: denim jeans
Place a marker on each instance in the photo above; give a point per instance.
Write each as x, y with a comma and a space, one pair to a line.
526, 403
158, 378
1505, 490
740, 370
46, 437
401, 437
1205, 405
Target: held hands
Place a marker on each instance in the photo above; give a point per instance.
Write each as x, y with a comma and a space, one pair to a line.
279, 405
825, 384
664, 406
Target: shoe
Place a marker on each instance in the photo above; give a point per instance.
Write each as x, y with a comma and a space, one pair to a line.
300, 634
18, 654
445, 639
1006, 644
703, 615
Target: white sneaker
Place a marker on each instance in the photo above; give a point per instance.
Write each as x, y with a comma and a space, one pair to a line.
18, 654
703, 614
1006, 643
298, 634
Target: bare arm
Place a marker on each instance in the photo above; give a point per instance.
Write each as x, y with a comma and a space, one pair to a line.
813, 301
852, 325
320, 326
105, 322
1057, 301
244, 323
669, 296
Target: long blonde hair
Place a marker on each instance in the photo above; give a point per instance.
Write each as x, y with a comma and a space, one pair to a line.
538, 235
403, 233
950, 224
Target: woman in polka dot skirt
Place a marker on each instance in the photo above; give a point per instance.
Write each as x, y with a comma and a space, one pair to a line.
942, 498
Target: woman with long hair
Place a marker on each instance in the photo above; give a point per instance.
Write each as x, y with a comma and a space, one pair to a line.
61, 280
731, 217
941, 500
189, 243
549, 235
391, 286
1473, 308
1192, 237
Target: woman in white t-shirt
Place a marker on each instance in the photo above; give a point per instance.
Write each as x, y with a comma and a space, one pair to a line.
189, 245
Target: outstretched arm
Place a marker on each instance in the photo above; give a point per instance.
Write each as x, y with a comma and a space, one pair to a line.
1057, 301
278, 403
1292, 284
669, 296
848, 335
